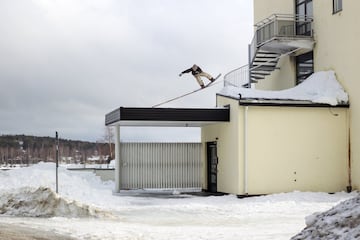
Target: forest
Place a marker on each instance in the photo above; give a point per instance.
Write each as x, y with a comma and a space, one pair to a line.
27, 150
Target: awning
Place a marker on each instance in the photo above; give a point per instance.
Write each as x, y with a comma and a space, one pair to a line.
167, 117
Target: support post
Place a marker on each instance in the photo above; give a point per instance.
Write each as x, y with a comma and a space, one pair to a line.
57, 160
117, 159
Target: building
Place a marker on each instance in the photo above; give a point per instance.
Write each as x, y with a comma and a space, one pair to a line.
285, 145
335, 49
272, 143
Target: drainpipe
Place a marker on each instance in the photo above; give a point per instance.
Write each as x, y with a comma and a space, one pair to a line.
249, 64
245, 149
117, 158
349, 187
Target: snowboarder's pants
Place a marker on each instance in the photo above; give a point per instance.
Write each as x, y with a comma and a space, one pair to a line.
202, 74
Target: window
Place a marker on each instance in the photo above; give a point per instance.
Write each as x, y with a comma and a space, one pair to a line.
304, 8
304, 66
337, 6
303, 11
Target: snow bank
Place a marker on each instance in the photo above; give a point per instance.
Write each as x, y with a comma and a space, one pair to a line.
320, 87
83, 187
43, 202
340, 222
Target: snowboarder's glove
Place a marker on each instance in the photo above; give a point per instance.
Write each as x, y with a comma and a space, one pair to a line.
180, 74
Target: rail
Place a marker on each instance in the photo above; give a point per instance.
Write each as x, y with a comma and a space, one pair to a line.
283, 25
237, 77
276, 26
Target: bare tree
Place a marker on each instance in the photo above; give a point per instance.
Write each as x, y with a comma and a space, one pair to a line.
109, 138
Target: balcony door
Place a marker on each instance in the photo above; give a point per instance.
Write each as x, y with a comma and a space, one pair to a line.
303, 11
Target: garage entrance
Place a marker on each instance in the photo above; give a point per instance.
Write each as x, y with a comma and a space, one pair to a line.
163, 166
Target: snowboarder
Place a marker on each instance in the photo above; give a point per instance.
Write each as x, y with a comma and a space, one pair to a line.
198, 73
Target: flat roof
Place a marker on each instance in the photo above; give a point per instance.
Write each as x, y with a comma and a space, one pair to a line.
166, 117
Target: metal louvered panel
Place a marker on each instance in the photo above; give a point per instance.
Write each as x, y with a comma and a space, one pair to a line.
160, 165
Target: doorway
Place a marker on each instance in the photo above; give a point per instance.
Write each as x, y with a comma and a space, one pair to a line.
212, 162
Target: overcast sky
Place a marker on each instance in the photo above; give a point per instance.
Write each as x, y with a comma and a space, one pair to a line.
64, 64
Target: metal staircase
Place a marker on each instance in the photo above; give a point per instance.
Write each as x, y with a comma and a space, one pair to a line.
275, 37
263, 64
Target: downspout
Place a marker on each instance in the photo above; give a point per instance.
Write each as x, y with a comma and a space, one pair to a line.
246, 125
349, 187
245, 149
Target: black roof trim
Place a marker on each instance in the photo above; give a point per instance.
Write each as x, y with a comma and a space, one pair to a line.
287, 103
281, 102
131, 114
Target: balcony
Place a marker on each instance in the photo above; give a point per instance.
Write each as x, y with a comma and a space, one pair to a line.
281, 33
276, 36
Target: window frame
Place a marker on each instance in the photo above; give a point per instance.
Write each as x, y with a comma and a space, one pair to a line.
337, 6
305, 6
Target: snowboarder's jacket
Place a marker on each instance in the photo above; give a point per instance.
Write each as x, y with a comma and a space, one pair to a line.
195, 69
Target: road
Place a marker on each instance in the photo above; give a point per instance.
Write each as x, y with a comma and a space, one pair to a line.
13, 232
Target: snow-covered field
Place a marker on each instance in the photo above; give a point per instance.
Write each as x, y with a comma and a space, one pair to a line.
86, 209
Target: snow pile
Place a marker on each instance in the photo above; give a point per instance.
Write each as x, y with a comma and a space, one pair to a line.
320, 87
43, 202
82, 186
340, 222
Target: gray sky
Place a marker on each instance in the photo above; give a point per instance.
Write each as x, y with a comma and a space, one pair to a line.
64, 64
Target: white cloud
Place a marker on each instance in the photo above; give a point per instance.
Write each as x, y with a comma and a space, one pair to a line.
78, 60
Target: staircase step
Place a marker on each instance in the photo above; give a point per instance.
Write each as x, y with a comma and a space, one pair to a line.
268, 53
256, 77
263, 68
266, 61
260, 73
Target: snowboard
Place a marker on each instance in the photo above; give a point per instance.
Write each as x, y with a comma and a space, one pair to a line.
212, 81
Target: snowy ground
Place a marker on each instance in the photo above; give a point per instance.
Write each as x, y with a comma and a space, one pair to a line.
278, 216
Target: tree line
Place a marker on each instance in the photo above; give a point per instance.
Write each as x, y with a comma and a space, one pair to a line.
27, 150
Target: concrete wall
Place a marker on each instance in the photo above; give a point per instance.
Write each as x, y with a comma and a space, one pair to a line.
288, 148
336, 48
282, 78
285, 77
228, 148
105, 174
297, 148
265, 8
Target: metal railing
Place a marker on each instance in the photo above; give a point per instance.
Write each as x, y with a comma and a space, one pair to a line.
283, 25
237, 77
275, 26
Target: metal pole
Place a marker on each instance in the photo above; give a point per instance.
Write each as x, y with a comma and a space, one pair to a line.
57, 160
117, 159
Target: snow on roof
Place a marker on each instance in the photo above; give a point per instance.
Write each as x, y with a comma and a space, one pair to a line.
320, 87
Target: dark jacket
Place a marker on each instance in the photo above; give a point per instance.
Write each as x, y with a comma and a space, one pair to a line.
194, 70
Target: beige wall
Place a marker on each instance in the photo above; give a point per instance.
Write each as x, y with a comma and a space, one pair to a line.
226, 135
265, 8
288, 148
285, 77
293, 148
282, 78
337, 46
